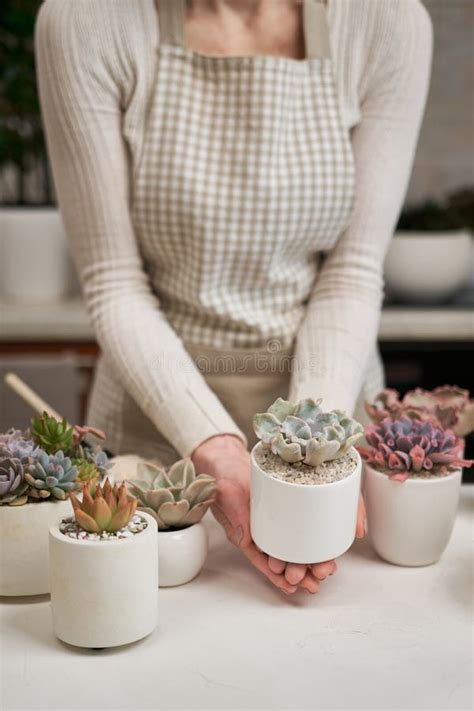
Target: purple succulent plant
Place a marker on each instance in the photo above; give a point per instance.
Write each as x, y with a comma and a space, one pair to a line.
18, 448
405, 446
7, 437
12, 484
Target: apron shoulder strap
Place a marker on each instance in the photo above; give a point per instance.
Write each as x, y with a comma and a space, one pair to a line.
171, 15
171, 21
316, 29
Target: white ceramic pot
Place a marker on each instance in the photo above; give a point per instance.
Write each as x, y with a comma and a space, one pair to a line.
428, 267
24, 546
104, 593
410, 523
181, 554
36, 266
302, 523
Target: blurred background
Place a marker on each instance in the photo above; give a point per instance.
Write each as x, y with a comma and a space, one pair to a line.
427, 329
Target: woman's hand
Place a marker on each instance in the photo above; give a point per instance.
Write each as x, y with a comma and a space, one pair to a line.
226, 458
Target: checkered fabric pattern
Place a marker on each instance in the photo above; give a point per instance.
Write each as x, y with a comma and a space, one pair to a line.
246, 175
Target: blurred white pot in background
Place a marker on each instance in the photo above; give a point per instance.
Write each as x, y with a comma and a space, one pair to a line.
428, 267
36, 265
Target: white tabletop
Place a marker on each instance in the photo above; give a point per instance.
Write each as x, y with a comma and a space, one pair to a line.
376, 637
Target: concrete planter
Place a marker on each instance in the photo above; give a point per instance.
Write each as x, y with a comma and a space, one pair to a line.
182, 554
410, 523
104, 593
303, 524
24, 546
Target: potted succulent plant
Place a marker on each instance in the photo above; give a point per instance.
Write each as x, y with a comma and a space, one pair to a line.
177, 499
448, 404
38, 470
104, 560
305, 481
412, 476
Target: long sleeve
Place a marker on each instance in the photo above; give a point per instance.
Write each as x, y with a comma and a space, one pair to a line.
340, 327
81, 98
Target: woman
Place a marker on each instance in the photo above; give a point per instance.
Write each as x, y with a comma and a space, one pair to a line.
230, 173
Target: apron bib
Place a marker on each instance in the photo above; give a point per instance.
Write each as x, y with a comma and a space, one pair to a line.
246, 175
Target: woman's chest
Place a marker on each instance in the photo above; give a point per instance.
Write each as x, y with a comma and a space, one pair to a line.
252, 152
276, 29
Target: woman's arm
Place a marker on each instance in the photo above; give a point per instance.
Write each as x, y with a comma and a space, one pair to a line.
341, 323
81, 89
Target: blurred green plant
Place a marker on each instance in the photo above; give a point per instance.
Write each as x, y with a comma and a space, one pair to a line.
456, 212
22, 144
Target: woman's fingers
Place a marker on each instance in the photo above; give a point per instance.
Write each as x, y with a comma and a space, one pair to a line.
322, 570
295, 573
361, 516
276, 565
260, 561
310, 583
231, 510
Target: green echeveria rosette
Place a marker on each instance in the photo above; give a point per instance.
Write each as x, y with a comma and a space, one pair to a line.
52, 435
51, 475
302, 432
12, 482
176, 498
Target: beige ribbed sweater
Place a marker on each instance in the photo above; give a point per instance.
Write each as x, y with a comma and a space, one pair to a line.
95, 67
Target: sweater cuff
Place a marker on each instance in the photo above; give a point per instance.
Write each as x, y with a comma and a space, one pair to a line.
188, 420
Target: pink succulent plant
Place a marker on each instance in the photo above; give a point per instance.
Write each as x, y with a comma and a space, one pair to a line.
81, 431
448, 404
405, 446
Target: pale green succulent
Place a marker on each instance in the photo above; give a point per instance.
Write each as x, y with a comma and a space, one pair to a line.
302, 432
51, 475
176, 498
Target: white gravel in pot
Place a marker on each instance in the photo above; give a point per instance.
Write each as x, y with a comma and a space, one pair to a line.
300, 473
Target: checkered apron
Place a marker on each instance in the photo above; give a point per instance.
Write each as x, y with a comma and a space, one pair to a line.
246, 176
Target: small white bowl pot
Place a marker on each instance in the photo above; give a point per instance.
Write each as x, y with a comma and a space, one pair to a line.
24, 546
181, 554
428, 267
104, 593
410, 523
301, 523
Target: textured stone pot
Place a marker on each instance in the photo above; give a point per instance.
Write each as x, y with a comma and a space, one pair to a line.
24, 546
301, 523
104, 593
410, 523
182, 554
